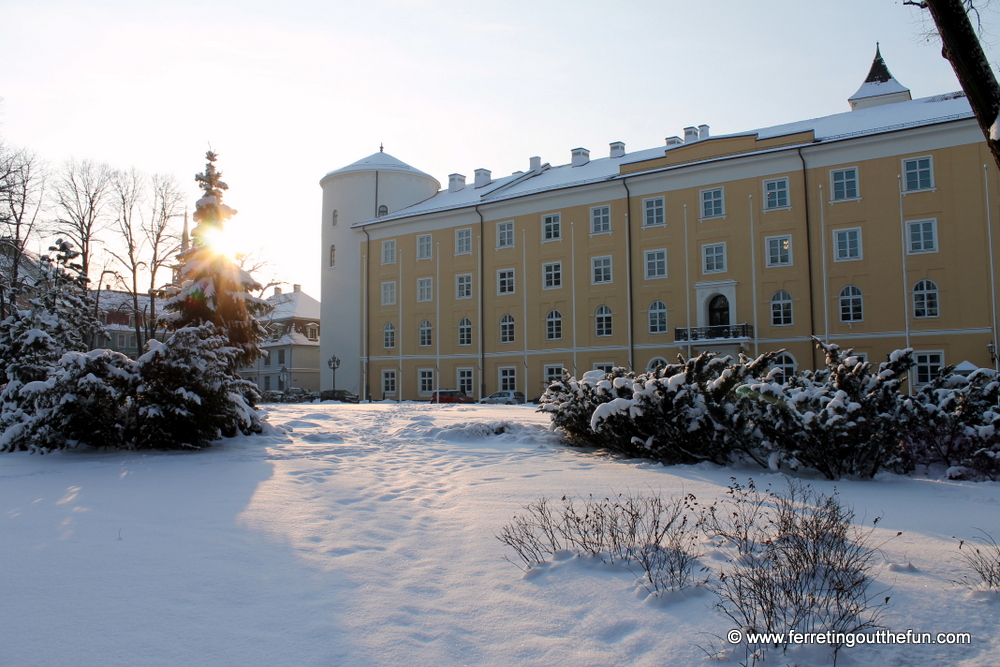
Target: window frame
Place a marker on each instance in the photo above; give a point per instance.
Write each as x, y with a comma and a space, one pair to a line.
906, 173
928, 294
551, 227
860, 297
705, 257
460, 378
721, 199
552, 275
549, 371
603, 322
768, 254
425, 381
782, 308
596, 215
389, 251
833, 184
425, 290
646, 264
553, 325
654, 208
464, 332
794, 365
425, 334
389, 382
425, 246
778, 205
926, 368
605, 270
910, 224
389, 293
333, 255
507, 378
836, 245
463, 237
501, 281
505, 233
507, 324
652, 311
463, 280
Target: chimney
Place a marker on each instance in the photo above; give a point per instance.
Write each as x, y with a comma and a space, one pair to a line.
702, 132
690, 135
535, 164
674, 141
296, 288
277, 291
483, 177
581, 156
617, 148
456, 182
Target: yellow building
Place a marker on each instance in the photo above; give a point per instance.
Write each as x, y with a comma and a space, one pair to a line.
869, 228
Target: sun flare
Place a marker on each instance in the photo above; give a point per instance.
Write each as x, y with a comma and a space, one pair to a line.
222, 242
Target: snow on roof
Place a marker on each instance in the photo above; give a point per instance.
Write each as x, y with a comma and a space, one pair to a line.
379, 161
293, 305
860, 122
879, 81
116, 300
290, 338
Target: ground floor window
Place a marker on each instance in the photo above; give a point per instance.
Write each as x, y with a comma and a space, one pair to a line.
465, 380
928, 365
605, 366
425, 377
508, 378
388, 382
553, 373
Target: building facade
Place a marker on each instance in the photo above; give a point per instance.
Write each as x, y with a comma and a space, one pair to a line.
870, 228
292, 357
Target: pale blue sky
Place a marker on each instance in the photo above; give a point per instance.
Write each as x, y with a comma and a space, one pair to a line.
286, 94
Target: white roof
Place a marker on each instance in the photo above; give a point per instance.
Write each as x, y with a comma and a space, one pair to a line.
382, 162
874, 120
293, 305
876, 88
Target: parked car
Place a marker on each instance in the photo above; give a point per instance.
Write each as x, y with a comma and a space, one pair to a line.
504, 397
341, 395
451, 396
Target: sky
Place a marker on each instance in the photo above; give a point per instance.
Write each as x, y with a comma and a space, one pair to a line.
287, 92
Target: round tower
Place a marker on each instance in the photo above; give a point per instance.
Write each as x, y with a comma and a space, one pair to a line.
370, 188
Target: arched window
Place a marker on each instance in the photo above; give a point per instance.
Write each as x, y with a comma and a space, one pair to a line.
333, 255
388, 335
507, 329
925, 299
553, 325
426, 339
786, 364
657, 317
851, 309
602, 321
465, 331
334, 217
718, 311
382, 210
781, 308
654, 363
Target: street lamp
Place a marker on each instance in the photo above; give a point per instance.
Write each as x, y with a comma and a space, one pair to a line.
283, 375
334, 364
991, 346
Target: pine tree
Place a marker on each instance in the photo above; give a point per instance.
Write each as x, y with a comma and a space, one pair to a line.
212, 287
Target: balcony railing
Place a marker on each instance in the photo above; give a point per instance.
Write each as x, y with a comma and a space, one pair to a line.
718, 333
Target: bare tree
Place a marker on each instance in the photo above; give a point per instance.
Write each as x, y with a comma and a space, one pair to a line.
164, 204
81, 191
127, 195
22, 184
960, 46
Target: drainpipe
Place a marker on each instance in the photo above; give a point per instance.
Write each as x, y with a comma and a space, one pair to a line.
524, 305
437, 316
367, 305
687, 282
482, 283
753, 279
399, 331
572, 262
628, 275
906, 278
993, 283
809, 271
826, 280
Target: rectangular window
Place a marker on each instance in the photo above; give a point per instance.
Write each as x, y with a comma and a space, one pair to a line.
389, 252
424, 248
508, 378
281, 383
600, 220
281, 356
779, 250
552, 275
928, 365
267, 383
425, 289
121, 341
463, 286
506, 329
463, 241
605, 366
656, 263
715, 257
844, 183
551, 227
388, 382
600, 270
333, 256
776, 193
425, 378
505, 281
652, 212
465, 381
921, 236
712, 203
918, 174
847, 244
389, 293
505, 234
553, 373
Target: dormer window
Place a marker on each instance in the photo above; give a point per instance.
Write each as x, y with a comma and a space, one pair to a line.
382, 210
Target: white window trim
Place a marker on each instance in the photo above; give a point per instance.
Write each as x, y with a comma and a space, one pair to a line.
558, 222
788, 195
645, 264
457, 292
909, 249
857, 185
430, 244
861, 245
840, 307
663, 205
913, 300
767, 250
611, 270
902, 171
458, 378
594, 208
500, 373
394, 295
547, 264
513, 331
704, 259
513, 239
795, 362
420, 390
388, 243
599, 365
463, 252
420, 282
916, 353
548, 367
791, 301
701, 204
513, 291
665, 311
395, 382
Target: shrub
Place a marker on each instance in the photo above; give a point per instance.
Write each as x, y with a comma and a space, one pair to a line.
983, 560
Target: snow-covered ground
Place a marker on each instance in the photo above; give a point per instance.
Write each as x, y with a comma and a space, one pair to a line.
357, 535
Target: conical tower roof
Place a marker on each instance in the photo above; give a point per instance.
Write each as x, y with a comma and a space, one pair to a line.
880, 87
380, 161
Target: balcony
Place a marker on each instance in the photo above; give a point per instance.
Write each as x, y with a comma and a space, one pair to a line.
721, 334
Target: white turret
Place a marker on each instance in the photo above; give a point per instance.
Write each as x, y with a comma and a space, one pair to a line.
880, 87
375, 186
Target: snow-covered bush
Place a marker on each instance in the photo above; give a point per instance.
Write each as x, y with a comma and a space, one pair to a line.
843, 420
799, 563
83, 402
955, 421
187, 397
571, 403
